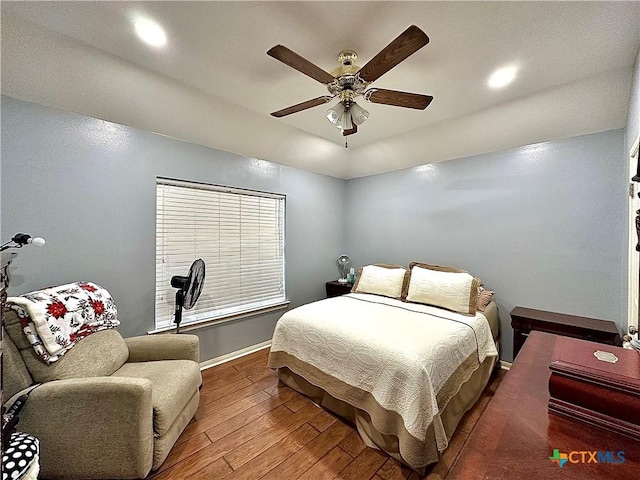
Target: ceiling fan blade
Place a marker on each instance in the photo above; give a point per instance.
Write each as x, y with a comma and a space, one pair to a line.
351, 131
288, 57
302, 106
407, 43
398, 99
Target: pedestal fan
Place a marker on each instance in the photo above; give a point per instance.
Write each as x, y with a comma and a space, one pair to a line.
343, 263
189, 289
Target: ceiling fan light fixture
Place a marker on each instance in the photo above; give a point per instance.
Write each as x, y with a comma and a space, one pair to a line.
358, 114
334, 114
345, 121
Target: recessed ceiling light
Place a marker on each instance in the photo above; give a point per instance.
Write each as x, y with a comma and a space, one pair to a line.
502, 77
150, 32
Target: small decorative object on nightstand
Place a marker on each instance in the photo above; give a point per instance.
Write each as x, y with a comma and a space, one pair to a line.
523, 320
343, 263
335, 288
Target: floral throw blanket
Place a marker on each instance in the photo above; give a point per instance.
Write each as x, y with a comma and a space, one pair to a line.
55, 319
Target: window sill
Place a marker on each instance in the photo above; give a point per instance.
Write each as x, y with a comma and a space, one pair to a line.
219, 320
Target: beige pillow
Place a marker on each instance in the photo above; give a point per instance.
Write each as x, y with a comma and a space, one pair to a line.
457, 291
484, 298
381, 279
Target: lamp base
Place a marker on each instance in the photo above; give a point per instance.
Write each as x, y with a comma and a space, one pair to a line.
342, 280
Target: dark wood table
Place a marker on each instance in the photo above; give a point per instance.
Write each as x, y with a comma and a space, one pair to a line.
335, 288
524, 320
516, 435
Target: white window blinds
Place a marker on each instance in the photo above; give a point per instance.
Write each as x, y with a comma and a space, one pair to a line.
240, 236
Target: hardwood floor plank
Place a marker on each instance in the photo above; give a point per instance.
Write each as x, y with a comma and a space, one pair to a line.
229, 407
215, 379
215, 470
231, 399
328, 466
185, 449
255, 364
275, 455
297, 403
294, 466
262, 374
241, 362
190, 466
277, 432
364, 466
275, 389
323, 421
353, 444
214, 394
268, 382
393, 470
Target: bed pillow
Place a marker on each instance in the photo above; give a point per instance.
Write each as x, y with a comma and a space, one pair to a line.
484, 298
381, 279
456, 291
439, 268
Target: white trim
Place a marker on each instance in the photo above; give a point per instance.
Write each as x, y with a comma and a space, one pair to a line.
233, 355
505, 365
633, 261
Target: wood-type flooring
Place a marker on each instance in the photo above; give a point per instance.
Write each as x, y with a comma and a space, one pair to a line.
249, 426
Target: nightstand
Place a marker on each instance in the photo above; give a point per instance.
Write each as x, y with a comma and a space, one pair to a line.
335, 288
523, 320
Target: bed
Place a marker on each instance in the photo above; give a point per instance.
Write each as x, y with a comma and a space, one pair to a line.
403, 373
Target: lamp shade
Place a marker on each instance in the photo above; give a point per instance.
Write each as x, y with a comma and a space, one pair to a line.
334, 114
345, 121
358, 114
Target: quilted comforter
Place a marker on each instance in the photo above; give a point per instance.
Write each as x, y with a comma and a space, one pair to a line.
410, 358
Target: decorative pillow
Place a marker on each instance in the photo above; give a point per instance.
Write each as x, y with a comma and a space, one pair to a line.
438, 268
457, 291
484, 298
381, 279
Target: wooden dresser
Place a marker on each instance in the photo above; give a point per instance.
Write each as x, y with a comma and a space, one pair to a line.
524, 320
516, 434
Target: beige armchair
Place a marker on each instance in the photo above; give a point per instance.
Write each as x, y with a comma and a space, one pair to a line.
111, 407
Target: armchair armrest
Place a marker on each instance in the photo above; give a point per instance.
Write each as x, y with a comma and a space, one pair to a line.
149, 348
94, 427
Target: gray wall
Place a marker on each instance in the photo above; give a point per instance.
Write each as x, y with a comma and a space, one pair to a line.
88, 187
542, 225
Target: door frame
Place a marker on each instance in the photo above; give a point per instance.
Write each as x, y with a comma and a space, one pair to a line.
633, 268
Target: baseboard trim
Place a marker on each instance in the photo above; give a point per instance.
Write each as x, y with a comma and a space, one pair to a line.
233, 355
505, 365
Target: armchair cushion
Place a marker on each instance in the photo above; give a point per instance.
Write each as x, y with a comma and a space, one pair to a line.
97, 355
174, 382
149, 348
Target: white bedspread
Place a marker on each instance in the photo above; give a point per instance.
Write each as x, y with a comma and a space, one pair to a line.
401, 353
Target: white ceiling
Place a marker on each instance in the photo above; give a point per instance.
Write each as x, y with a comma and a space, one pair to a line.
213, 83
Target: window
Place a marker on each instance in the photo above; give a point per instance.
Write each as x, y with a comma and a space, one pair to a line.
240, 236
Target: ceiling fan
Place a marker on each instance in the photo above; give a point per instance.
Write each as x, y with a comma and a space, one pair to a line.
348, 81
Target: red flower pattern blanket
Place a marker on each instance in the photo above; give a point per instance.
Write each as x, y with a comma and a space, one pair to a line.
55, 319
